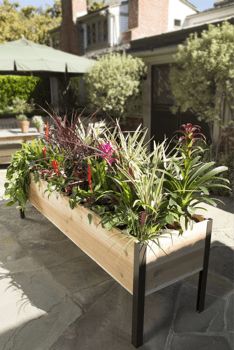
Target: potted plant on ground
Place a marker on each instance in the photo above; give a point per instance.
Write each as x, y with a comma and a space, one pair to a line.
139, 204
38, 122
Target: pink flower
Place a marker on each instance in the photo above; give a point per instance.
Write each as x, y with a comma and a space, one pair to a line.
108, 150
89, 177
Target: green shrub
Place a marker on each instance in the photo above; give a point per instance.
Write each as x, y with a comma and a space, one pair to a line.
26, 88
115, 84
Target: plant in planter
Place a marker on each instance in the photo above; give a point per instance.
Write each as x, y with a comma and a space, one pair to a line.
38, 122
139, 204
24, 122
21, 107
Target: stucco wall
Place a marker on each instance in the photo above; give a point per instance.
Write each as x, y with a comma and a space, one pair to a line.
118, 23
178, 10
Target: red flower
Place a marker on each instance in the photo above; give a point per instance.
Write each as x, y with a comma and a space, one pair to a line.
89, 177
44, 152
55, 166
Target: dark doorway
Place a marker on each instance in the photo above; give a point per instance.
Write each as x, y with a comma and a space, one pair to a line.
164, 124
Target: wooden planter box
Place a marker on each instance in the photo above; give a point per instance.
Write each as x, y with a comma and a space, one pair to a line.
138, 270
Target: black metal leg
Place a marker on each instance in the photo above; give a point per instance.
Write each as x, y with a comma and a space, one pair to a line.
22, 215
203, 274
138, 304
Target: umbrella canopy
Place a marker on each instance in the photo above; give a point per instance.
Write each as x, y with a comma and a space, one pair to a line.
24, 56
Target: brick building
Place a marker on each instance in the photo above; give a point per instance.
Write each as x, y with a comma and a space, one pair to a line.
115, 25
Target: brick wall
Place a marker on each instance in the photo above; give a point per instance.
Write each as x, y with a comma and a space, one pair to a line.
71, 34
133, 14
146, 17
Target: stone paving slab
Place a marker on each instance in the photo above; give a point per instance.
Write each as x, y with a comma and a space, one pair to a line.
34, 309
216, 285
195, 342
187, 320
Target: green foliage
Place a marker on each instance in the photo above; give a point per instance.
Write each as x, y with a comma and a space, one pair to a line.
22, 117
28, 21
223, 160
20, 106
26, 88
94, 5
18, 173
114, 84
202, 75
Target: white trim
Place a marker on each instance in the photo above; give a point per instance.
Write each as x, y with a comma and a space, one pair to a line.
79, 14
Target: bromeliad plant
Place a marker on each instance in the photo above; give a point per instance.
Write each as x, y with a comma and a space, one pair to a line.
143, 194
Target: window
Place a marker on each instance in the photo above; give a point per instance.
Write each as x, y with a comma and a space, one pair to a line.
177, 23
97, 32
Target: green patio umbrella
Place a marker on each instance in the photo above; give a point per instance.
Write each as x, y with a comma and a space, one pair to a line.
22, 57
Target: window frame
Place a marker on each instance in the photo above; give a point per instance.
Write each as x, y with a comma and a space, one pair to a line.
97, 41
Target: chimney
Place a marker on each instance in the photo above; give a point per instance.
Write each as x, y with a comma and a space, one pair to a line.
71, 33
146, 17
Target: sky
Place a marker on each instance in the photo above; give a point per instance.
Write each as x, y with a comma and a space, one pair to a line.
200, 4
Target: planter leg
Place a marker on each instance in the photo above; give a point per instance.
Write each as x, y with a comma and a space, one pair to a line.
203, 273
138, 303
22, 215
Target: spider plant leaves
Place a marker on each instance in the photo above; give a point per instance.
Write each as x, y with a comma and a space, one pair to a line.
204, 189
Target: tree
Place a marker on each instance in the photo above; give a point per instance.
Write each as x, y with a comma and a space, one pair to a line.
94, 5
114, 83
202, 77
28, 21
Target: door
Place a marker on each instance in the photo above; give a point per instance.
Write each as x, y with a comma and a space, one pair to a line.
164, 124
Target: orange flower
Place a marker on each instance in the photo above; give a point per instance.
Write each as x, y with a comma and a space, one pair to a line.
47, 130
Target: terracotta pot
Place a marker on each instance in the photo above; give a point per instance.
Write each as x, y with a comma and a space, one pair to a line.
24, 126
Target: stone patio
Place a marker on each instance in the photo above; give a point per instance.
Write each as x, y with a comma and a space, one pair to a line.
54, 297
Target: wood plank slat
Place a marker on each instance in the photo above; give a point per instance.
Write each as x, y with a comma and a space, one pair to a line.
94, 241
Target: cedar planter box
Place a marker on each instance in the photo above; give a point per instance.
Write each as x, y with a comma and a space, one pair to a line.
139, 270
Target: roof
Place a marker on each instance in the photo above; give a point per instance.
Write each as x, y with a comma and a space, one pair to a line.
171, 38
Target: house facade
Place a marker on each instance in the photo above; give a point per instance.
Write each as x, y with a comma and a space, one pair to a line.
150, 29
115, 25
157, 52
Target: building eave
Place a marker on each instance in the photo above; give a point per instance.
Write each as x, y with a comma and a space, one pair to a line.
54, 30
